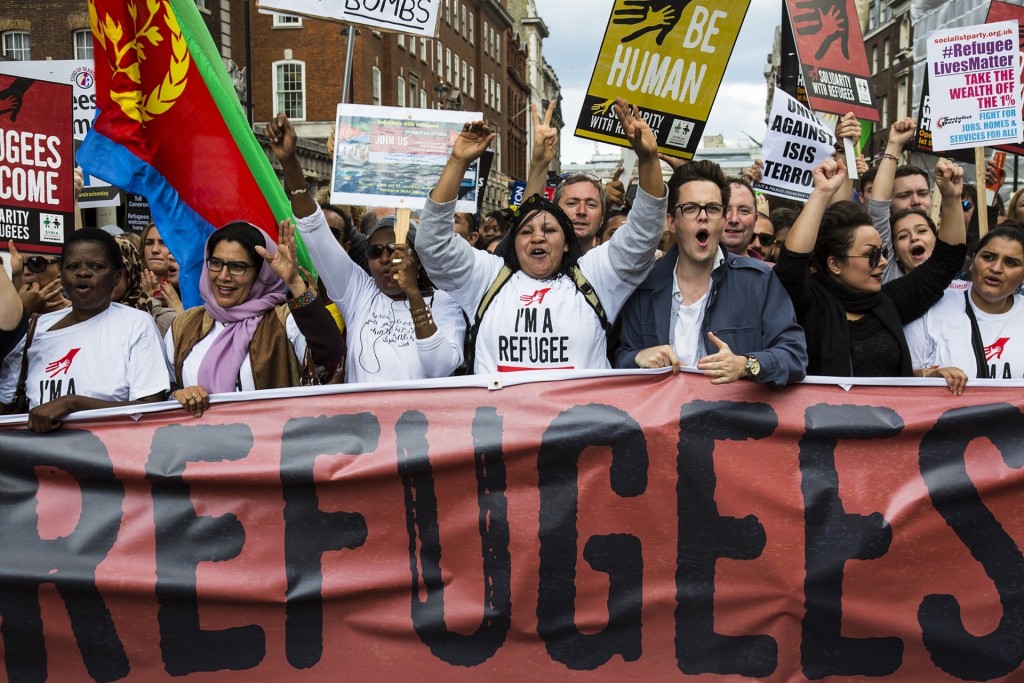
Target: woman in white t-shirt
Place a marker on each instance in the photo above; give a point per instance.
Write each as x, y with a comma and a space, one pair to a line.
980, 330
399, 326
542, 316
96, 354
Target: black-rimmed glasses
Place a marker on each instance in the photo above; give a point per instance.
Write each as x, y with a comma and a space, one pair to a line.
713, 210
215, 265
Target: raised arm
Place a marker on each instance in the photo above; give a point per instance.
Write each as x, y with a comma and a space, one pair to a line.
900, 134
642, 139
469, 146
282, 137
545, 139
949, 179
829, 176
848, 127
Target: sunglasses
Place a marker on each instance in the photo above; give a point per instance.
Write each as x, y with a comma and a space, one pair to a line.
874, 256
37, 264
377, 250
764, 238
967, 204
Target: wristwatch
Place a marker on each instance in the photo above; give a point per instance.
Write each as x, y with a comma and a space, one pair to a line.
753, 366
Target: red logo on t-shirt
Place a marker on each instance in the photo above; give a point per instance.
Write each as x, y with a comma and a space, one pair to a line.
62, 365
535, 298
997, 348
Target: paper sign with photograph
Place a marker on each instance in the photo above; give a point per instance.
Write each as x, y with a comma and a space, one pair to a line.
974, 83
418, 17
392, 156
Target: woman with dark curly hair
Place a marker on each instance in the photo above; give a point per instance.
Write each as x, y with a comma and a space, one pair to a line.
854, 323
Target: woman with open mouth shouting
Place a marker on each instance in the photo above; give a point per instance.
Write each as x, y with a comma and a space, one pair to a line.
854, 322
538, 302
980, 330
93, 354
399, 326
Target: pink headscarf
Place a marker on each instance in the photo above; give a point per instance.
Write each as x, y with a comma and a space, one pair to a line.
218, 371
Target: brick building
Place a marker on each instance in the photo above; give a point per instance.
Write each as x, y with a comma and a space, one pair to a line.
296, 65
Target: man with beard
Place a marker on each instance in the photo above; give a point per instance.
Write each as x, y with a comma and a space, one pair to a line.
703, 306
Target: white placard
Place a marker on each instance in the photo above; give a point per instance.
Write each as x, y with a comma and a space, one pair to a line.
418, 17
796, 142
973, 83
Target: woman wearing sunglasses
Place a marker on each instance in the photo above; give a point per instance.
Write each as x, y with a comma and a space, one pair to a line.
93, 354
399, 327
256, 324
854, 323
38, 281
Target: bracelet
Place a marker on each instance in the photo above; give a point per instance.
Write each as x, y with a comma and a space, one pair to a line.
302, 191
886, 155
303, 300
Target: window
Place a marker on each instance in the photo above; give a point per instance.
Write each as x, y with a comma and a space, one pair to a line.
287, 21
401, 40
423, 98
448, 12
465, 82
412, 45
401, 91
497, 97
440, 60
455, 71
888, 55
448, 65
16, 46
874, 59
487, 90
472, 82
497, 48
290, 89
202, 5
462, 23
487, 45
883, 111
424, 49
472, 37
376, 87
83, 44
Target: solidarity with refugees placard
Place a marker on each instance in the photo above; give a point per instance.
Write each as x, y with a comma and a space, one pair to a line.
974, 84
796, 142
668, 58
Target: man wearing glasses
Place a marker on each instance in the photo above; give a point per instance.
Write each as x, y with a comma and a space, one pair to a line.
703, 306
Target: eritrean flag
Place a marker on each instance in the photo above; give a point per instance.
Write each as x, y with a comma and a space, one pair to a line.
170, 128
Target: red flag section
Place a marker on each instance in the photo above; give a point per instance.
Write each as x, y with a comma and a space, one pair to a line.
634, 527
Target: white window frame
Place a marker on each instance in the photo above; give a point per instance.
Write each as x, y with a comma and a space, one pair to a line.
440, 59
497, 47
82, 47
377, 86
472, 82
277, 103
17, 53
401, 91
286, 20
423, 98
472, 32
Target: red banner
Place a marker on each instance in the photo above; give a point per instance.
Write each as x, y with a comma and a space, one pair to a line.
631, 527
833, 60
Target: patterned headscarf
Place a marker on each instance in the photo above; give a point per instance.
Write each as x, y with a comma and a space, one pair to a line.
134, 296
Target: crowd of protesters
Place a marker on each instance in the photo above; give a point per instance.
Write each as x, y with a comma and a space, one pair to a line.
695, 269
